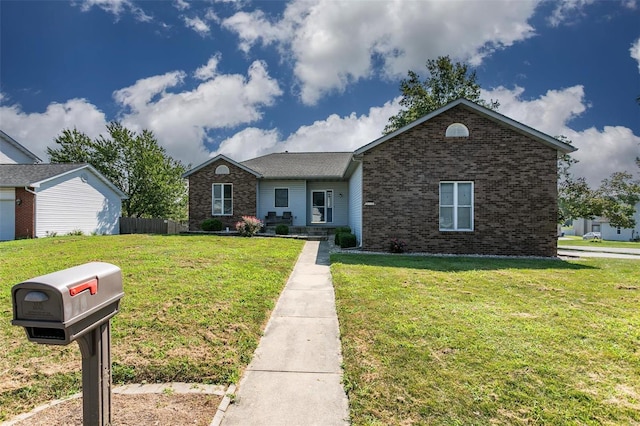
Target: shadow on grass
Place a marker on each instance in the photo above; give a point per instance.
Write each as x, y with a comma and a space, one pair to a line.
452, 263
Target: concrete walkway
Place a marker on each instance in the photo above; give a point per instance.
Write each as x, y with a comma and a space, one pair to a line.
295, 375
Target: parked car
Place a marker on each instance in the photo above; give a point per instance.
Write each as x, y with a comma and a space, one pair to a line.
592, 236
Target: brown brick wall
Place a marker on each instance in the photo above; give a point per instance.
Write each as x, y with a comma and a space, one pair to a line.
200, 183
25, 214
514, 189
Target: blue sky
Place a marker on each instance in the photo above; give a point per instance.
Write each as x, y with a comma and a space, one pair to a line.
247, 78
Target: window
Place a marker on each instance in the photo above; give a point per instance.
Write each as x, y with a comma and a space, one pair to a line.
457, 130
282, 197
222, 199
222, 170
456, 206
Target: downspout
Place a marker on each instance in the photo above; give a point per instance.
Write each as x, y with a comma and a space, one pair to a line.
359, 159
33, 213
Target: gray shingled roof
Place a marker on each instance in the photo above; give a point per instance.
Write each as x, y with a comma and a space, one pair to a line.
301, 165
14, 175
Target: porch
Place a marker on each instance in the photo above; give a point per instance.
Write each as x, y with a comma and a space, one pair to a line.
320, 233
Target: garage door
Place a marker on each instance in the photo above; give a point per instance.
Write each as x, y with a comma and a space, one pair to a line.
7, 214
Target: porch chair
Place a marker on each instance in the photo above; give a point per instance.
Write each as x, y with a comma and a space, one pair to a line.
270, 218
287, 218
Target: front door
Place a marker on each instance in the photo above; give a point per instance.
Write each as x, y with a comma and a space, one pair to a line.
322, 206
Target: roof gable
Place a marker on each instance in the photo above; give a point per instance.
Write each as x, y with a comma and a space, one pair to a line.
217, 158
486, 112
34, 175
15, 144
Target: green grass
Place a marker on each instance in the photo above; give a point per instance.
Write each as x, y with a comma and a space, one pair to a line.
578, 241
477, 341
193, 310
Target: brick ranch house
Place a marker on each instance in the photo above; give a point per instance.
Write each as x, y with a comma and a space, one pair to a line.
461, 180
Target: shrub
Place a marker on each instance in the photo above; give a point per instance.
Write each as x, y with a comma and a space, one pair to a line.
347, 240
249, 226
343, 230
76, 233
211, 225
340, 230
397, 246
282, 229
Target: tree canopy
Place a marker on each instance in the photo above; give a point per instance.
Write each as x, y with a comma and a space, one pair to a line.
615, 198
135, 163
446, 82
618, 196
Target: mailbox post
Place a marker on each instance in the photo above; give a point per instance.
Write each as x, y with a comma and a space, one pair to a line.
76, 304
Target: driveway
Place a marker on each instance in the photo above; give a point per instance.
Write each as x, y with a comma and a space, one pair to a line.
610, 252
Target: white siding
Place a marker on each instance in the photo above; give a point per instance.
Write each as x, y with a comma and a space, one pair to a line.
355, 203
7, 214
69, 203
626, 234
340, 203
297, 199
9, 154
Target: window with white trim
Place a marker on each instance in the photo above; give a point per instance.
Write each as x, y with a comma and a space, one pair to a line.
282, 197
222, 199
456, 206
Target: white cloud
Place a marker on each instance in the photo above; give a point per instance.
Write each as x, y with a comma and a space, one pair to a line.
550, 113
38, 130
138, 96
211, 16
115, 7
634, 50
630, 4
209, 70
335, 133
255, 26
180, 120
567, 10
600, 152
197, 25
604, 151
181, 4
334, 43
200, 25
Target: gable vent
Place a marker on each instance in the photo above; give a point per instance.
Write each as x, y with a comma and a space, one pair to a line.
457, 130
222, 170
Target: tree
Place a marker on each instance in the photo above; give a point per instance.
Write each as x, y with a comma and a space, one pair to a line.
619, 195
446, 82
135, 163
575, 198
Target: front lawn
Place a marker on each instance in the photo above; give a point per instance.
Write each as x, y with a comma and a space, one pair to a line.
193, 310
461, 341
578, 241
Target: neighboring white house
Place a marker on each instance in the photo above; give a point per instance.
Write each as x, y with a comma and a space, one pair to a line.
37, 200
621, 234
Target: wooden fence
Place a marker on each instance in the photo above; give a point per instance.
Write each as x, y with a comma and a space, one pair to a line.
136, 225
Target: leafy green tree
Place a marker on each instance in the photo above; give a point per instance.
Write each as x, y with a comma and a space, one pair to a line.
75, 147
575, 198
135, 163
619, 195
447, 81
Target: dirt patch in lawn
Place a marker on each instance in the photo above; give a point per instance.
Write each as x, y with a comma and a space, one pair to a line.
129, 410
